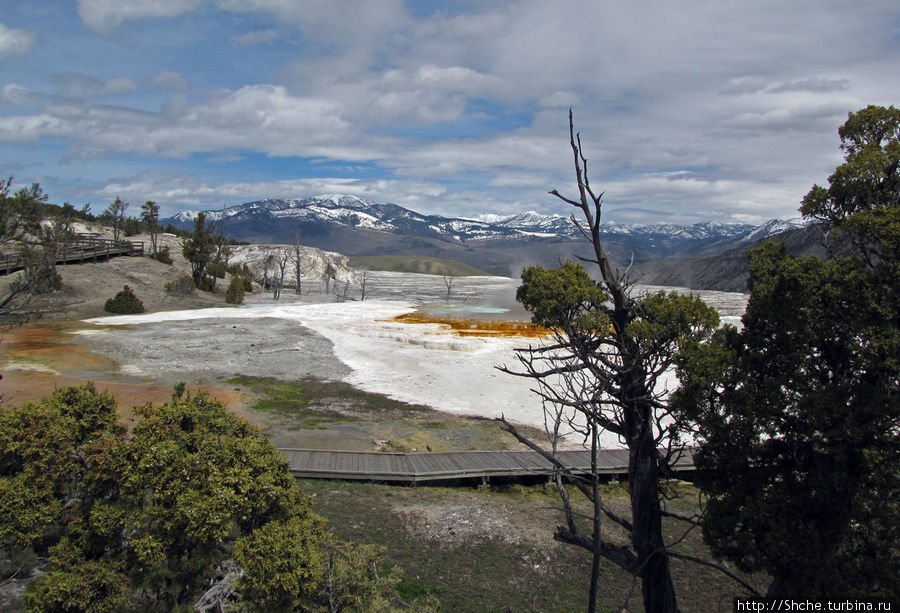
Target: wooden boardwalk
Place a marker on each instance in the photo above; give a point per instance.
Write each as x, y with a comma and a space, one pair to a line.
79, 248
438, 466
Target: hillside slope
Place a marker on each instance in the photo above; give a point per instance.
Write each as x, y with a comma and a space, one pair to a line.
727, 271
415, 264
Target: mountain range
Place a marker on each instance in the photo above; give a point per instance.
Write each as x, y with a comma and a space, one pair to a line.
494, 243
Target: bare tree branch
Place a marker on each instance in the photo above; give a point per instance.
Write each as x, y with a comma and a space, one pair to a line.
689, 558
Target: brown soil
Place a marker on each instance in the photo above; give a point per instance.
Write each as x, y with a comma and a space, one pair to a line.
39, 358
42, 356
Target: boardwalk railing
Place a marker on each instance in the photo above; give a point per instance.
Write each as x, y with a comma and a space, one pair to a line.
79, 248
437, 466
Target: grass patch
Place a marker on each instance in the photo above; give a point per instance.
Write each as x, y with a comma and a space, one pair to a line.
296, 396
316, 402
483, 575
334, 415
514, 563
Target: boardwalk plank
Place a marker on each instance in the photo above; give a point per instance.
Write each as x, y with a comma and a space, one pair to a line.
448, 465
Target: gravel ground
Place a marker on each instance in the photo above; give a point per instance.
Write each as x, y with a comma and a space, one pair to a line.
218, 348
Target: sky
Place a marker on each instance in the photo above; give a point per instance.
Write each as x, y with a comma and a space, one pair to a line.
688, 111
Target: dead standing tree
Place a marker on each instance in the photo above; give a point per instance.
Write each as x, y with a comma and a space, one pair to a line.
298, 262
448, 281
280, 259
602, 373
364, 284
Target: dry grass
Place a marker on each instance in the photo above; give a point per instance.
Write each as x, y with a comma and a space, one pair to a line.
488, 548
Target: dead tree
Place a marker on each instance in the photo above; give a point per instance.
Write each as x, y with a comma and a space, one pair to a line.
329, 275
265, 264
364, 280
115, 214
601, 372
275, 286
298, 262
281, 259
448, 281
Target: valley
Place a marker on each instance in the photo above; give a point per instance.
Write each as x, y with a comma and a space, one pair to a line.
407, 344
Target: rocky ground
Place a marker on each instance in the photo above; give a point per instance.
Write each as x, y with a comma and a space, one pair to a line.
141, 363
54, 349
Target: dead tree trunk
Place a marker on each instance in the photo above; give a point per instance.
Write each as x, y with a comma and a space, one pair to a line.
600, 374
448, 281
643, 471
298, 263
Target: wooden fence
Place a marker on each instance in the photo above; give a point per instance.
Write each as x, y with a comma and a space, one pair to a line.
79, 248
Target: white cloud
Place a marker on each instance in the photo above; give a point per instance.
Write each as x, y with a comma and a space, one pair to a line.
256, 37
815, 85
169, 79
119, 85
739, 86
15, 42
104, 15
263, 118
560, 99
83, 87
683, 108
174, 191
345, 23
16, 94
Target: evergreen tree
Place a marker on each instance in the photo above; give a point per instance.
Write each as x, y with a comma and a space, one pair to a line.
798, 412
147, 520
200, 251
150, 219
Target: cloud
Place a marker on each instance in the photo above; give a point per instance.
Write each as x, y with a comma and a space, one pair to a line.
346, 23
813, 85
15, 42
15, 94
256, 37
119, 85
263, 118
104, 15
560, 99
83, 87
174, 191
169, 79
743, 85
725, 109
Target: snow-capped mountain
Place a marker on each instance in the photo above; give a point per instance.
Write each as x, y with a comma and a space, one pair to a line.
494, 243
353, 212
775, 226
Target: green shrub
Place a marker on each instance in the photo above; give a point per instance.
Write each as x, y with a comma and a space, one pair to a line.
235, 292
216, 269
133, 226
124, 303
207, 284
163, 255
182, 286
243, 271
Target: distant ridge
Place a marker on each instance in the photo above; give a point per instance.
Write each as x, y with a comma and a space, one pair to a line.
416, 264
729, 271
354, 212
496, 244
